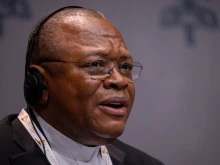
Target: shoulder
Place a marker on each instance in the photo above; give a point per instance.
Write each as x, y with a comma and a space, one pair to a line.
135, 155
5, 127
7, 145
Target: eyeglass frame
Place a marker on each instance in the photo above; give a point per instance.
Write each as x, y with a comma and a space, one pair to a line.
110, 71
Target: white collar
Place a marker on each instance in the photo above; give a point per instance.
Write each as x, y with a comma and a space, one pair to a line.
66, 146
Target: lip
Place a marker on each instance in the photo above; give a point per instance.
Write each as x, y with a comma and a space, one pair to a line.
121, 111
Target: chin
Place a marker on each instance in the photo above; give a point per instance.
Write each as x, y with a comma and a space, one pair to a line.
110, 131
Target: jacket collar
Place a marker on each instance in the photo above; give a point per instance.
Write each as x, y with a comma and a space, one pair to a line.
21, 136
33, 154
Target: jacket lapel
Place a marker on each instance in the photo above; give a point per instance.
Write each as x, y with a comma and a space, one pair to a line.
117, 156
31, 157
33, 154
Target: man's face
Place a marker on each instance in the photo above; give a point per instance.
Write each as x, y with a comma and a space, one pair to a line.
87, 110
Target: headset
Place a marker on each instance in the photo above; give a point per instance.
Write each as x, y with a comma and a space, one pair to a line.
33, 83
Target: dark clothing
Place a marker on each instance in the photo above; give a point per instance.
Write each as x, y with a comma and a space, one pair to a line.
18, 148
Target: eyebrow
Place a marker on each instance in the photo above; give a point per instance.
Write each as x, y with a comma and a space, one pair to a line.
127, 57
105, 54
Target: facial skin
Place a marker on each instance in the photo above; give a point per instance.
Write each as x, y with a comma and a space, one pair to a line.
72, 102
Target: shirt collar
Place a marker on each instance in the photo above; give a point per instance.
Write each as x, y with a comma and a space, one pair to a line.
66, 146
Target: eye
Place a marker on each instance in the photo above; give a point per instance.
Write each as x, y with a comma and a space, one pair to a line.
96, 63
126, 67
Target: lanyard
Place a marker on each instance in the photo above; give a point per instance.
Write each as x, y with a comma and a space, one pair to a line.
25, 120
105, 156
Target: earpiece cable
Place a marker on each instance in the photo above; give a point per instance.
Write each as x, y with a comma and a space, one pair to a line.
44, 150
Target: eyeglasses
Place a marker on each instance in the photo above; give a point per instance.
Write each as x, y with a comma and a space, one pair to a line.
102, 69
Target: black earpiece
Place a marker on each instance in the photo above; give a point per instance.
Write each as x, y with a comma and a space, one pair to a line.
33, 83
33, 87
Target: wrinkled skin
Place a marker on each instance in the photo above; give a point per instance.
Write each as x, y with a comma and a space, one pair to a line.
70, 102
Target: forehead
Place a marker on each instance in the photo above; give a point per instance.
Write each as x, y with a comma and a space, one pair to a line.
88, 34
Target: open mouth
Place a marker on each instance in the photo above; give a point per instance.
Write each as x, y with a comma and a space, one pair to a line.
114, 105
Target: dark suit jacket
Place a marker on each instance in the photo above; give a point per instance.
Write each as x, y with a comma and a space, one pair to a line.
18, 148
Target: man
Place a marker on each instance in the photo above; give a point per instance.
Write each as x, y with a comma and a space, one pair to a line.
79, 66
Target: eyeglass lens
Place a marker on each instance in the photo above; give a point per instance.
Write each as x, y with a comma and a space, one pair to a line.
101, 70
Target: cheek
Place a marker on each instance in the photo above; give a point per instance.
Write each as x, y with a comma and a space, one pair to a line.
73, 92
84, 93
76, 85
131, 93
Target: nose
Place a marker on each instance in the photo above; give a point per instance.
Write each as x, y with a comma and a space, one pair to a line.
116, 80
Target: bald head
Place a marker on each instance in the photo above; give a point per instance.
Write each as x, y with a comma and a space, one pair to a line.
47, 40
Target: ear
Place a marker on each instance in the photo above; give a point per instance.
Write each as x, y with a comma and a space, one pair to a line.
45, 94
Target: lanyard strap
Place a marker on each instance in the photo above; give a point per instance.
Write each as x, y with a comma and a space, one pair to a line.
25, 120
105, 156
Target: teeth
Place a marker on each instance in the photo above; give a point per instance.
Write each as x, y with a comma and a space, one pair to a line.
116, 103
